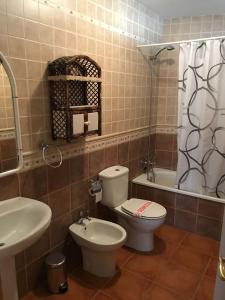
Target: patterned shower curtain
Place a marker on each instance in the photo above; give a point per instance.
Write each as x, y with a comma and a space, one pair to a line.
201, 118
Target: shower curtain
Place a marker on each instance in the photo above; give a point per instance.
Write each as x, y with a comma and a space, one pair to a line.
201, 118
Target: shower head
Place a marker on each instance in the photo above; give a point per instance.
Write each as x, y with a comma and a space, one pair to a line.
168, 47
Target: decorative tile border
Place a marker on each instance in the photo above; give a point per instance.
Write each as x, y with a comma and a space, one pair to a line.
7, 134
96, 22
34, 159
168, 129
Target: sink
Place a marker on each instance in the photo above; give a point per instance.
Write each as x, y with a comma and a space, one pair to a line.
22, 223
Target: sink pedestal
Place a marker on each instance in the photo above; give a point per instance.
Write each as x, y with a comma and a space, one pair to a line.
8, 279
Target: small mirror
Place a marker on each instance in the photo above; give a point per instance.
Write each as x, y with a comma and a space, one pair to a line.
10, 137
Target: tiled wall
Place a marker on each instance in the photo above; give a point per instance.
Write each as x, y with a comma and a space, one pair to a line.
34, 32
8, 156
165, 72
189, 213
31, 34
185, 28
166, 67
6, 110
65, 190
164, 150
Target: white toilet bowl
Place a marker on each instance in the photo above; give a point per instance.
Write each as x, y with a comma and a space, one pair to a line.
140, 231
139, 217
99, 241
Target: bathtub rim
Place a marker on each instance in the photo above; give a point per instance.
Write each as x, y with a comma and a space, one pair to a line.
142, 180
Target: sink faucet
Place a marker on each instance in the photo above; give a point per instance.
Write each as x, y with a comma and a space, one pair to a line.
83, 215
148, 166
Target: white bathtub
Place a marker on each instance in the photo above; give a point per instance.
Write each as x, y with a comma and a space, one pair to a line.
166, 180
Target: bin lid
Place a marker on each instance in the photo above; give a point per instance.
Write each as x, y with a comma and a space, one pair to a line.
55, 259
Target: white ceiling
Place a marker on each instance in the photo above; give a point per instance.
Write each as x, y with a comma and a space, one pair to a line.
179, 8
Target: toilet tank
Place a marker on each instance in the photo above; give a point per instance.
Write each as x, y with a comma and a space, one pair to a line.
114, 185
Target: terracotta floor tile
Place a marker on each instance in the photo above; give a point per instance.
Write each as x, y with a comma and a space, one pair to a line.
179, 279
123, 254
212, 268
127, 286
163, 248
172, 271
159, 293
76, 290
144, 265
171, 234
92, 280
101, 296
191, 259
29, 296
202, 244
206, 289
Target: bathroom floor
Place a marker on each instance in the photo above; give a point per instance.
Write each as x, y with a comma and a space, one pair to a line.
182, 266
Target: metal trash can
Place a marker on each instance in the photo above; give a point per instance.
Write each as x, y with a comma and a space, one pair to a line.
56, 273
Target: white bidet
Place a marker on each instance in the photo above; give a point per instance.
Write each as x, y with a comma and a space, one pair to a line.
99, 241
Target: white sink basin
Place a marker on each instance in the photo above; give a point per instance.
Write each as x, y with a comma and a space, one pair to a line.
22, 222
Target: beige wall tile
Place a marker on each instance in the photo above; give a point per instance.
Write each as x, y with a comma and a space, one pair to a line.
22, 88
59, 38
47, 53
25, 123
31, 10
33, 50
24, 107
3, 23
37, 106
4, 44
34, 70
15, 26
32, 31
16, 47
46, 14
15, 7
35, 88
3, 5
19, 68
125, 74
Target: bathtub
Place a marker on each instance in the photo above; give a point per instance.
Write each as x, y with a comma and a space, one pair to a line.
201, 214
166, 180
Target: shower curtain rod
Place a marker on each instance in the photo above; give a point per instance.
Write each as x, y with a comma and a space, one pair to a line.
180, 42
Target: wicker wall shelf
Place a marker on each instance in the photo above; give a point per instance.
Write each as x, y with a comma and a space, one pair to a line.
75, 97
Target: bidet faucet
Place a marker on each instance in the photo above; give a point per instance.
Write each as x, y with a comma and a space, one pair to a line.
83, 215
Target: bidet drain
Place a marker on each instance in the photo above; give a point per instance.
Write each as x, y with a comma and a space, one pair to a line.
2, 244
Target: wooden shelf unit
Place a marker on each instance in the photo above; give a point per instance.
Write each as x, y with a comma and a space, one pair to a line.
75, 89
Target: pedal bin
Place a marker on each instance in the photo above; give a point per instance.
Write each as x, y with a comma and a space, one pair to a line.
56, 273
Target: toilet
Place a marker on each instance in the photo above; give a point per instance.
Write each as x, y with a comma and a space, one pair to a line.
139, 217
99, 240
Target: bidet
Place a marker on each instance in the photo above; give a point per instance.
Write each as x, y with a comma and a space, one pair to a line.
99, 241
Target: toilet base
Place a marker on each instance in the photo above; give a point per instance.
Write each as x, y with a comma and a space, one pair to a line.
102, 264
141, 241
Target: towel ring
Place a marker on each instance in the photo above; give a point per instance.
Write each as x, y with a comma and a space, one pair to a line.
44, 148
